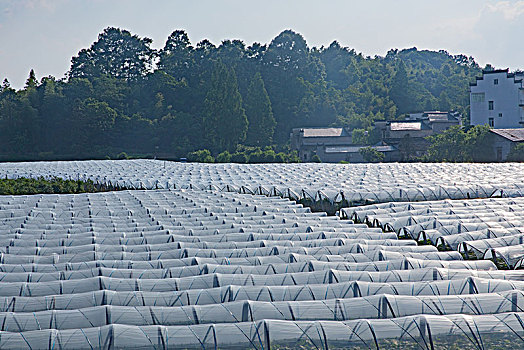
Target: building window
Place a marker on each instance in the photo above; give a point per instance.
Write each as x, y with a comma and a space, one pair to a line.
477, 97
491, 122
491, 105
495, 82
500, 115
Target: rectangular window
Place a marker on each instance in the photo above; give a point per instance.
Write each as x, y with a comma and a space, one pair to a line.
491, 105
491, 122
500, 115
477, 97
495, 82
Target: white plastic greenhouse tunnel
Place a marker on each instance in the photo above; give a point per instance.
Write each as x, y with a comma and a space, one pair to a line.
348, 184
200, 256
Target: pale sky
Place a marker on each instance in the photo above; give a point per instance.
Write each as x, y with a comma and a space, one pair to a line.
45, 34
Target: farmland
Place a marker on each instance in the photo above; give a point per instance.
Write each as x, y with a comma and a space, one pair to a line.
223, 256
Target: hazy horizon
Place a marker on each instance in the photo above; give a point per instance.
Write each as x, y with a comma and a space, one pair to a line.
44, 34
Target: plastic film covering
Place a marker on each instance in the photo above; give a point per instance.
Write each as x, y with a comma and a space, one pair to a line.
208, 269
423, 331
369, 307
349, 184
479, 229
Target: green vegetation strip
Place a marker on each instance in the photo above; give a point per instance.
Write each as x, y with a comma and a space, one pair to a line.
54, 185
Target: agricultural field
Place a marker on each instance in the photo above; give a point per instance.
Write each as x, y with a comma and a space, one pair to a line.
201, 256
352, 184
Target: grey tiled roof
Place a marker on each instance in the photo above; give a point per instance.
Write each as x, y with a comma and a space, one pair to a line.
515, 135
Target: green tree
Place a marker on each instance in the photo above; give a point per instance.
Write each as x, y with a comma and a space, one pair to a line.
53, 112
316, 159
92, 121
225, 122
371, 155
78, 89
161, 93
201, 156
399, 91
339, 61
289, 51
457, 145
259, 114
517, 153
117, 53
289, 71
239, 157
224, 157
232, 52
478, 144
176, 58
448, 146
443, 102
6, 86
178, 133
18, 124
31, 81
360, 136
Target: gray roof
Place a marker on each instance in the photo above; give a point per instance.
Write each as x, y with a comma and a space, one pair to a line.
514, 135
438, 116
324, 132
356, 149
433, 116
404, 126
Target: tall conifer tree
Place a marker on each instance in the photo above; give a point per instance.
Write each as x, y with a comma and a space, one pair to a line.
31, 81
224, 122
399, 89
259, 114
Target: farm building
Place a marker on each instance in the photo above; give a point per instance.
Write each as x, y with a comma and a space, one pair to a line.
399, 139
409, 135
503, 141
311, 141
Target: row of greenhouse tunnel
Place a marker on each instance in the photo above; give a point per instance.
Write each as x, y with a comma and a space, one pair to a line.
478, 229
244, 256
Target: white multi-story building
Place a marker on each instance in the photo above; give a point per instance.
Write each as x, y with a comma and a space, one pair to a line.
497, 99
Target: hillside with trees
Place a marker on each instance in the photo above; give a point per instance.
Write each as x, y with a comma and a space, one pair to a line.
121, 95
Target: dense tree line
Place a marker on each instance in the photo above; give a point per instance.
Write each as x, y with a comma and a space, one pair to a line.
246, 154
121, 95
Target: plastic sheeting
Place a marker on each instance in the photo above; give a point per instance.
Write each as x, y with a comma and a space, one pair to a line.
208, 269
351, 183
488, 228
502, 330
370, 307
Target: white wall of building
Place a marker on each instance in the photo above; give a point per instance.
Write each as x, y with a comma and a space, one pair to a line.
507, 95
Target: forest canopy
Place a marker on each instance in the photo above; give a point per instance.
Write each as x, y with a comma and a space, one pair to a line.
121, 95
